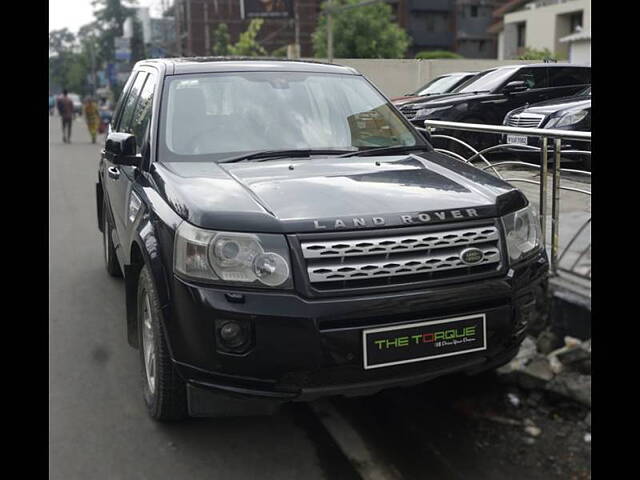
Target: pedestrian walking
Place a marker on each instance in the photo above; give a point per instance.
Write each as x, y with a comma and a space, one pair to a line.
65, 108
92, 117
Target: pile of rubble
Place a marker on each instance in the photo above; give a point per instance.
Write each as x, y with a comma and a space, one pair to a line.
540, 365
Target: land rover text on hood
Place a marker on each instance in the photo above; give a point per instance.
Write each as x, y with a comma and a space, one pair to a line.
285, 234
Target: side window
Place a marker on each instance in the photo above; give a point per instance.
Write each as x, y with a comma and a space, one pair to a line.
566, 76
533, 77
130, 103
118, 110
142, 112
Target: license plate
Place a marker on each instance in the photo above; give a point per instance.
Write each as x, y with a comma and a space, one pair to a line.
416, 342
517, 139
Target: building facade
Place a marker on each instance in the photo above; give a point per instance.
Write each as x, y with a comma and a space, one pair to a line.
540, 25
459, 26
196, 20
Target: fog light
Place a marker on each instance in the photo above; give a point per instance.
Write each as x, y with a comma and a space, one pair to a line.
232, 335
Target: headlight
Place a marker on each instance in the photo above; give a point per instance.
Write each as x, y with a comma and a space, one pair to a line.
425, 112
522, 229
568, 119
236, 258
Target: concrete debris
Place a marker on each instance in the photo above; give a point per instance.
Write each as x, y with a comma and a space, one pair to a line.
555, 364
513, 399
565, 371
587, 437
548, 341
529, 440
572, 385
533, 431
502, 420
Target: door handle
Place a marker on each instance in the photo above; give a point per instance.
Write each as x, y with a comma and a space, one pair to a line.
113, 172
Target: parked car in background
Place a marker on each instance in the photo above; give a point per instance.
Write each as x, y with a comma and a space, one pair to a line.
77, 103
439, 85
567, 113
491, 94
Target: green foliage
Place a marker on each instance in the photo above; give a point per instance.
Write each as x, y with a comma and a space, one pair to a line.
280, 52
247, 45
362, 32
533, 54
221, 40
433, 54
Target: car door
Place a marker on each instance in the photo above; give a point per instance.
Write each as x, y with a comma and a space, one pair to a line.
537, 82
116, 177
566, 81
139, 128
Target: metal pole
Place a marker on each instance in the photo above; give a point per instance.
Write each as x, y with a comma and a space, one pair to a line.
543, 191
329, 31
555, 208
297, 30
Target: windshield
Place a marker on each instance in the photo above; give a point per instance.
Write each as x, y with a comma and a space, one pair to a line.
486, 81
440, 84
216, 116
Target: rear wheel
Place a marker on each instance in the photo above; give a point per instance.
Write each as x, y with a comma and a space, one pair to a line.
110, 259
164, 391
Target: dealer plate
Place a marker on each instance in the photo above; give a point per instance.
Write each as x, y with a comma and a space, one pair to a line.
517, 139
415, 342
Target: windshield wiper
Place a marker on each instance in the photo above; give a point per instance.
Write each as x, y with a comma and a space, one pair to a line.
273, 154
373, 151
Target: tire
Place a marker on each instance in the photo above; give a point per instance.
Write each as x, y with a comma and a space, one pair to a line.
164, 391
110, 260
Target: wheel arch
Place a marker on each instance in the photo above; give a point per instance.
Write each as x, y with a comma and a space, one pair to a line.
144, 251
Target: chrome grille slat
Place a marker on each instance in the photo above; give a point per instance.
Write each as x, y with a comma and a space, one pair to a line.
525, 120
398, 244
371, 258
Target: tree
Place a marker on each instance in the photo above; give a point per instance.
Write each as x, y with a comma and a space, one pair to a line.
247, 45
361, 32
221, 40
61, 41
110, 16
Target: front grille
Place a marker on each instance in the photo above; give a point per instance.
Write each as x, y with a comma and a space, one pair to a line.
409, 112
396, 259
525, 120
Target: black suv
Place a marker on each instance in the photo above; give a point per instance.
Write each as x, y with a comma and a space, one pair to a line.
491, 94
284, 234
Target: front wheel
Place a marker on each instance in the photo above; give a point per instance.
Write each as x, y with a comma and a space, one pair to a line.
165, 393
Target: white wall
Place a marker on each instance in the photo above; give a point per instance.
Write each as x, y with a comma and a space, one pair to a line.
395, 77
580, 52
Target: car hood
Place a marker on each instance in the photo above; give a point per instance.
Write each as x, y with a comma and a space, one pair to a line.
329, 193
415, 98
556, 105
447, 99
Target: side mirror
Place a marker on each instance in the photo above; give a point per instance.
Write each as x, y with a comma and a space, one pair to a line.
516, 86
121, 149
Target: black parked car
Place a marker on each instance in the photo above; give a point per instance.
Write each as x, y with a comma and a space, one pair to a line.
284, 234
489, 96
442, 84
568, 113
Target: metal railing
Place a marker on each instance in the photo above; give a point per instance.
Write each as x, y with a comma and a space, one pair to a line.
557, 136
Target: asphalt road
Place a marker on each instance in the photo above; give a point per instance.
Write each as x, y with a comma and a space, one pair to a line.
98, 426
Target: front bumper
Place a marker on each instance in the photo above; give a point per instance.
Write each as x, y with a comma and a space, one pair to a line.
303, 348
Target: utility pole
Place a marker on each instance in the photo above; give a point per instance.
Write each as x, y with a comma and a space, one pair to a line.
330, 31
